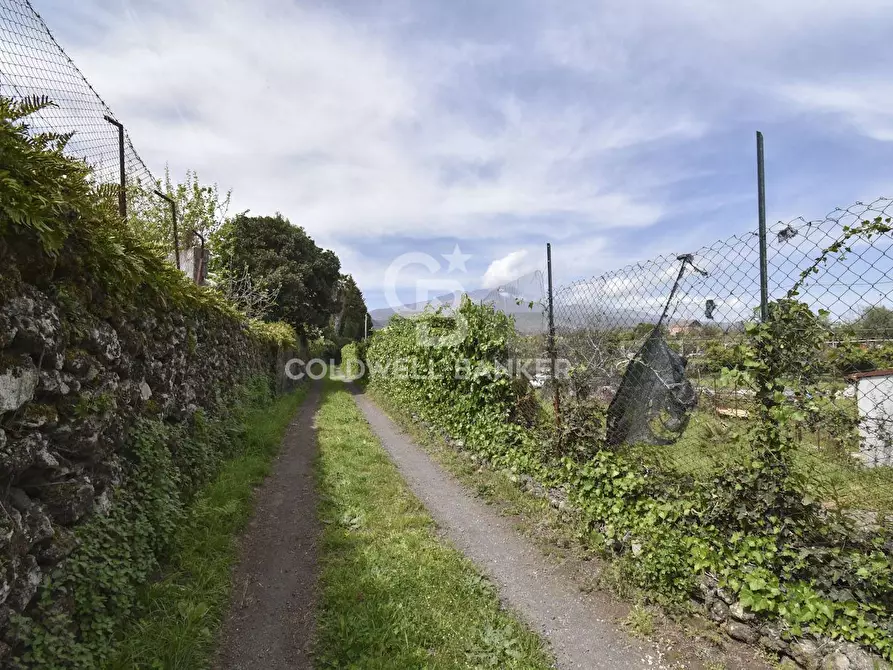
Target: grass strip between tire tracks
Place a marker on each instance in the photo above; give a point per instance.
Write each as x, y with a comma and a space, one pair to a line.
393, 594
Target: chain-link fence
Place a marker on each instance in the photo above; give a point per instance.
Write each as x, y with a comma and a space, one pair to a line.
660, 349
657, 354
32, 64
525, 299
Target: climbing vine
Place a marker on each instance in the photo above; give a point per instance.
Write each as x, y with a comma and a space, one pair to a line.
753, 529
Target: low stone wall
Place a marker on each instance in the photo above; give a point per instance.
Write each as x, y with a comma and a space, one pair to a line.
75, 374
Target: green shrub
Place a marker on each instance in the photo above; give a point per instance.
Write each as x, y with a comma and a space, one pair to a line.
278, 333
353, 358
451, 370
753, 528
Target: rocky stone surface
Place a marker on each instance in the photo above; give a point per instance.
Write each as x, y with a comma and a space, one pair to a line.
719, 611
837, 661
18, 382
804, 652
741, 631
74, 377
737, 612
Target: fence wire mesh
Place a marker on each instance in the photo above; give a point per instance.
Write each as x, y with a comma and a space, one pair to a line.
645, 355
526, 300
33, 64
646, 346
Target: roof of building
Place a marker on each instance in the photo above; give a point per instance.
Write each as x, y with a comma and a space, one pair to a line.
856, 376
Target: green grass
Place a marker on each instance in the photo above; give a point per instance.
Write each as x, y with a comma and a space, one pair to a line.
641, 621
393, 594
566, 537
182, 612
709, 445
555, 533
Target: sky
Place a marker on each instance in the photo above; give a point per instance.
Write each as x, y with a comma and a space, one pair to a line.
443, 143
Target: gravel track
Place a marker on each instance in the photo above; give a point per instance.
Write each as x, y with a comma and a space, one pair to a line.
580, 634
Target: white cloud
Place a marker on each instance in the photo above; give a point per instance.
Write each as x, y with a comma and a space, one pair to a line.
706, 64
867, 106
306, 112
584, 122
508, 268
588, 256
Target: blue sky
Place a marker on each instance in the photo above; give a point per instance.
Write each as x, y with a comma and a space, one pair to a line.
616, 130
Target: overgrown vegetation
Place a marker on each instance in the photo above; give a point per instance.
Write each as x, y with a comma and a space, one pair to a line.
273, 271
352, 318
280, 334
160, 510
54, 214
754, 527
712, 444
393, 595
201, 210
283, 256
60, 233
181, 613
449, 365
353, 360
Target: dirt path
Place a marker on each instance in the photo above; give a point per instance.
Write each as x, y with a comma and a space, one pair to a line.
271, 617
582, 635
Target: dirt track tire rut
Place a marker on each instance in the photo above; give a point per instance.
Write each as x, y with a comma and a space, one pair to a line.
527, 581
272, 609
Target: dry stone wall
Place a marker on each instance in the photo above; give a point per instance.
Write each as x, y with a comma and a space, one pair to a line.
75, 375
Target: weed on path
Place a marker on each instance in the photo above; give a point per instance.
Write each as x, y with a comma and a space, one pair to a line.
182, 612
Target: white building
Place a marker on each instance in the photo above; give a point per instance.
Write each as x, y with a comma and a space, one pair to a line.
874, 395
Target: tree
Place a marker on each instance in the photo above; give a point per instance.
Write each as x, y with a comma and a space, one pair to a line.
200, 208
875, 323
255, 298
275, 253
352, 309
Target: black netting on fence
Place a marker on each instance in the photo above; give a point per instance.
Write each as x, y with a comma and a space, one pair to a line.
653, 346
763, 381
654, 400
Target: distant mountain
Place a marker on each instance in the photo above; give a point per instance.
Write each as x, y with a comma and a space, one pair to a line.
508, 301
515, 299
382, 315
